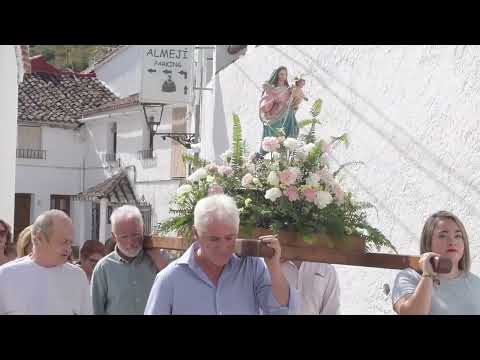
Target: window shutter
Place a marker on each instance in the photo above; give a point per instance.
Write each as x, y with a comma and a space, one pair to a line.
178, 126
29, 137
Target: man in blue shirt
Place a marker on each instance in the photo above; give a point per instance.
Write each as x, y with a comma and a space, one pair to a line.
210, 279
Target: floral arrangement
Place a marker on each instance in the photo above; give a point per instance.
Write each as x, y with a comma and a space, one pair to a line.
289, 186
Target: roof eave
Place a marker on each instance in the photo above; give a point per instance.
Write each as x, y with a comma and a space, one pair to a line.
50, 123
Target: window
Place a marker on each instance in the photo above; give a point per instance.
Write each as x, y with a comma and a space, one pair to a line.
146, 211
178, 126
111, 153
114, 135
60, 202
29, 143
29, 137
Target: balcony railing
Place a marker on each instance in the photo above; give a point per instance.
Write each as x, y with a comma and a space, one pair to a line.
31, 154
145, 154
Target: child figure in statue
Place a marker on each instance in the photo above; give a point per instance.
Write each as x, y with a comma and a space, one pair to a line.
297, 93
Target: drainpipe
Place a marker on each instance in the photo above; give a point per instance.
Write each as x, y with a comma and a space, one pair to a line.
103, 220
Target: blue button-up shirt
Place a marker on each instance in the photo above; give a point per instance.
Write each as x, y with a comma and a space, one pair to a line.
244, 287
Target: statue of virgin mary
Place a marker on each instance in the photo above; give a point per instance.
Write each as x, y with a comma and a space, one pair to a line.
276, 110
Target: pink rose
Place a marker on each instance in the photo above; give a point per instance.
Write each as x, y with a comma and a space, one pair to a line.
288, 176
211, 167
339, 193
247, 180
270, 144
225, 170
310, 194
215, 189
292, 193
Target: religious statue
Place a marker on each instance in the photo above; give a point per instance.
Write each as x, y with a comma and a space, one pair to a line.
279, 103
297, 93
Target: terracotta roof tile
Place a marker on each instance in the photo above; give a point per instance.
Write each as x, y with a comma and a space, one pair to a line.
117, 189
60, 98
115, 104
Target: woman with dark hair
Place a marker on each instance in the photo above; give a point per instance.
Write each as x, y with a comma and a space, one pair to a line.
276, 110
457, 292
92, 251
5, 242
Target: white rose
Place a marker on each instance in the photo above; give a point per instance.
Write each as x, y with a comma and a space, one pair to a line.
291, 143
256, 181
185, 188
322, 199
273, 179
307, 148
273, 194
198, 175
227, 154
300, 154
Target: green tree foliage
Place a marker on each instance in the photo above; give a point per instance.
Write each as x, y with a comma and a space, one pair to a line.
75, 57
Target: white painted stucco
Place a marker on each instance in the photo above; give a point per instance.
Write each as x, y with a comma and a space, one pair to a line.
151, 177
75, 158
122, 72
8, 134
61, 173
412, 114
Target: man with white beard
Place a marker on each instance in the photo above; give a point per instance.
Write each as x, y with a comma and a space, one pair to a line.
122, 280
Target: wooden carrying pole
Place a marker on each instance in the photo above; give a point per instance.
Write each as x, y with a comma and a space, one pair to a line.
314, 254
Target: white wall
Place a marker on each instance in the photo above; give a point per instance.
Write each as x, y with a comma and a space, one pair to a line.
153, 176
122, 73
412, 114
61, 174
8, 135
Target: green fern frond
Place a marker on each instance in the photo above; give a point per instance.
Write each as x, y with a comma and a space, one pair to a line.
336, 172
195, 161
316, 107
308, 122
237, 144
364, 205
343, 138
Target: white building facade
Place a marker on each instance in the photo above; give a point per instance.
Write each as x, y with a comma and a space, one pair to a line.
69, 147
9, 70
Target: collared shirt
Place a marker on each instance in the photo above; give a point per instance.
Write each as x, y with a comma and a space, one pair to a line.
318, 287
122, 288
244, 288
